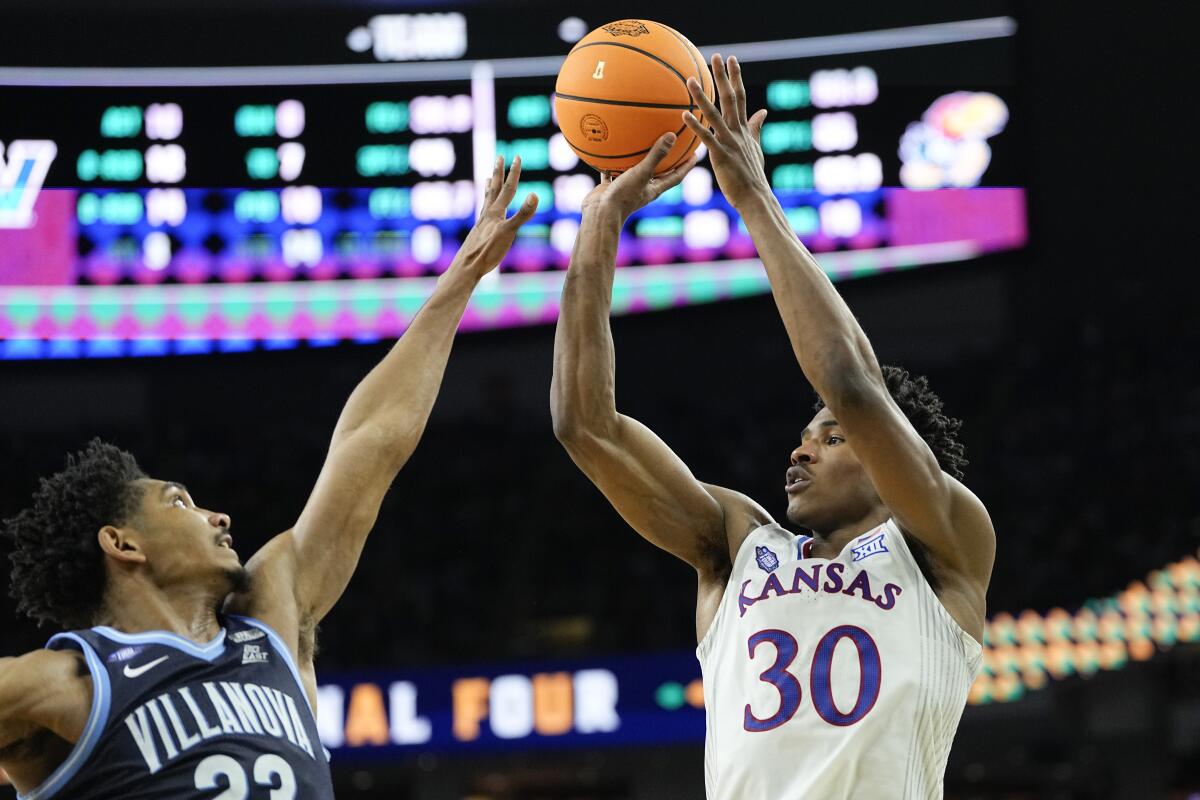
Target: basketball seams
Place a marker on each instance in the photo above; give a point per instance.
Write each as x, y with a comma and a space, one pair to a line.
690, 105
700, 73
631, 103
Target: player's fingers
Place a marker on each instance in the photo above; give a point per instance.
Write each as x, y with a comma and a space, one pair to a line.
644, 169
706, 136
527, 209
756, 122
493, 184
724, 89
712, 114
509, 189
739, 88
671, 179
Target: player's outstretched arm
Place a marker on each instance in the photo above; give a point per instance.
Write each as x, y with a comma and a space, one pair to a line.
379, 428
833, 350
646, 482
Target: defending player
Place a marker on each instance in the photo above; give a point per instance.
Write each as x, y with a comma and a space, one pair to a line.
192, 676
835, 665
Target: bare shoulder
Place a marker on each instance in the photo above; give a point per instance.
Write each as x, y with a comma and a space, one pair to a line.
25, 672
972, 527
964, 569
50, 689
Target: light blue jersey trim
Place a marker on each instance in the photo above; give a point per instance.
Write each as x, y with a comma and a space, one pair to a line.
97, 718
209, 652
282, 648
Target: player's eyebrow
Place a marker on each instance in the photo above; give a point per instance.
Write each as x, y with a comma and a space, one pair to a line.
173, 485
829, 423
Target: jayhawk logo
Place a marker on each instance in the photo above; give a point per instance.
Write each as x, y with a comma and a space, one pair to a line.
766, 558
627, 27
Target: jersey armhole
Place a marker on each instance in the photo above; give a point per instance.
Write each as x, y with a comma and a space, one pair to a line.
96, 721
281, 646
278, 643
705, 643
972, 648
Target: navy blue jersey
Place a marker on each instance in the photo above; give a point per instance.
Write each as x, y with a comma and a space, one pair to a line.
172, 719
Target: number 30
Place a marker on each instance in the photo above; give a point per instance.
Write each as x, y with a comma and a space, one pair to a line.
266, 768
820, 683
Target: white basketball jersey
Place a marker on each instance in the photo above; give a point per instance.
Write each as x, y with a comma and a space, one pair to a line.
828, 679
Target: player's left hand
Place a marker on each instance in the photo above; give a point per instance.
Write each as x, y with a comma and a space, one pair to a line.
638, 185
494, 231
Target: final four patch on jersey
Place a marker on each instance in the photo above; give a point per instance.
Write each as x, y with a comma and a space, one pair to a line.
871, 547
766, 558
241, 637
124, 654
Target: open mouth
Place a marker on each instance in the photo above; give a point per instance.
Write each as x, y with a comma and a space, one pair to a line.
797, 480
226, 541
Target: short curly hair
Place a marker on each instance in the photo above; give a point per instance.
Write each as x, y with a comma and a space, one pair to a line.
57, 566
924, 410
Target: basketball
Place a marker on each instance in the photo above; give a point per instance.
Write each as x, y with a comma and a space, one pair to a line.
624, 85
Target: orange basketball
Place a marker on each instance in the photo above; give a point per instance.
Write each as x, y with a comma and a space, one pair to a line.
624, 85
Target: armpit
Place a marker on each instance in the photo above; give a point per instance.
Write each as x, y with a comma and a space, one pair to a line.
307, 641
924, 561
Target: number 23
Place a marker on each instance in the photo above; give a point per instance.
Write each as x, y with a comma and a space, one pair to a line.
266, 769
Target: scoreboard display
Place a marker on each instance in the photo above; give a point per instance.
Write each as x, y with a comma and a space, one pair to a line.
170, 210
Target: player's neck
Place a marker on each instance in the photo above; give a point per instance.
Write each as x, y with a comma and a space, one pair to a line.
137, 606
827, 544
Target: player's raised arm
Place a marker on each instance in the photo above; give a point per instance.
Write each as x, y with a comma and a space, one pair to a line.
646, 482
380, 426
833, 350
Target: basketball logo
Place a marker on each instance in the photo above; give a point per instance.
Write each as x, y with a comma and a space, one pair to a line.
594, 129
627, 27
599, 73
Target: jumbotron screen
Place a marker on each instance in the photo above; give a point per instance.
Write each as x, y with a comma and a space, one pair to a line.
149, 210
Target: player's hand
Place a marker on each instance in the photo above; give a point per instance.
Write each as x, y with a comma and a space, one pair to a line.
493, 234
733, 141
638, 185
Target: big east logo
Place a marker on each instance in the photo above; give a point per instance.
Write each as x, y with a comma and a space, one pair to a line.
22, 170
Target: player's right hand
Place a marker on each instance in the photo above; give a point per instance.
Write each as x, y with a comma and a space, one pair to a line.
733, 141
638, 185
494, 232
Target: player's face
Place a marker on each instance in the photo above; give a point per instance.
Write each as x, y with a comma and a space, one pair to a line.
826, 485
183, 542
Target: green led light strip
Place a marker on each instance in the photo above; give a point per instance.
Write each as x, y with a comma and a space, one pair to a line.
131, 312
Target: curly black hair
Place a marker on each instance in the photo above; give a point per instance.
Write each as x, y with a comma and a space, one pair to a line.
57, 565
924, 410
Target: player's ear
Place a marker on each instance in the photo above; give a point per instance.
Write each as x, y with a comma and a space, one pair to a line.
118, 543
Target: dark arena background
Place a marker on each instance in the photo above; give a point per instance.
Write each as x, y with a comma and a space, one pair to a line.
215, 217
